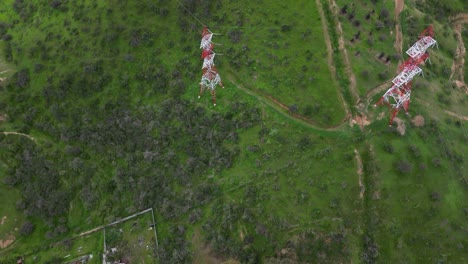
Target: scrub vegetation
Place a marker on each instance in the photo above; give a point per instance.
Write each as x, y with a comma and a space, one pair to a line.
99, 120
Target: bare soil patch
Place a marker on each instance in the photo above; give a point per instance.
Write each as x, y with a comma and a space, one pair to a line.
381, 115
202, 253
361, 120
401, 127
6, 242
399, 4
3, 220
418, 121
359, 171
459, 59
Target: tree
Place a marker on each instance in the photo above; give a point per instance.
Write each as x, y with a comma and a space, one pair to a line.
365, 74
404, 166
383, 75
27, 228
293, 108
22, 78
384, 13
235, 36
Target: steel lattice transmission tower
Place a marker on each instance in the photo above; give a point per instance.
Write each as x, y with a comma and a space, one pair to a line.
398, 96
210, 77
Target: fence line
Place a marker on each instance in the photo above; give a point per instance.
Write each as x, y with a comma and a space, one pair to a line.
155, 234
104, 251
114, 223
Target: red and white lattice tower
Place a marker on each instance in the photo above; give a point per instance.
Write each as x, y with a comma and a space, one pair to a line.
398, 96
206, 39
425, 41
208, 61
210, 78
209, 81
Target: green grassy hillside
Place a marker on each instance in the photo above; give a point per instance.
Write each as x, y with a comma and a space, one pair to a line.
100, 120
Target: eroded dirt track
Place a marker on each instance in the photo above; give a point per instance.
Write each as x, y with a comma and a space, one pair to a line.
19, 134
399, 4
283, 109
458, 65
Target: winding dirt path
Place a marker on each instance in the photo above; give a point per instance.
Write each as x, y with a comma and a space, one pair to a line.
280, 108
450, 113
359, 171
399, 4
20, 134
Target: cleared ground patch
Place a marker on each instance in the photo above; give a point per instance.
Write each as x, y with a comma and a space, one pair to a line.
132, 241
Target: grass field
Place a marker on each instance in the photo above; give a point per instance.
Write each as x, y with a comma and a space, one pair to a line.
369, 35
420, 205
100, 89
284, 60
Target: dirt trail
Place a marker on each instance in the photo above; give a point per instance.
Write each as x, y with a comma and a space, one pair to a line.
359, 173
280, 107
20, 134
450, 113
342, 48
378, 89
459, 19
399, 4
459, 60
8, 241
331, 65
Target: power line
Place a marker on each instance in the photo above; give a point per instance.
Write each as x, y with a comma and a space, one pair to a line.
203, 24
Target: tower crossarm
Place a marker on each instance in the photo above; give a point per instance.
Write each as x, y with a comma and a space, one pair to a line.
421, 46
398, 96
210, 78
208, 51
406, 75
208, 61
206, 41
429, 31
